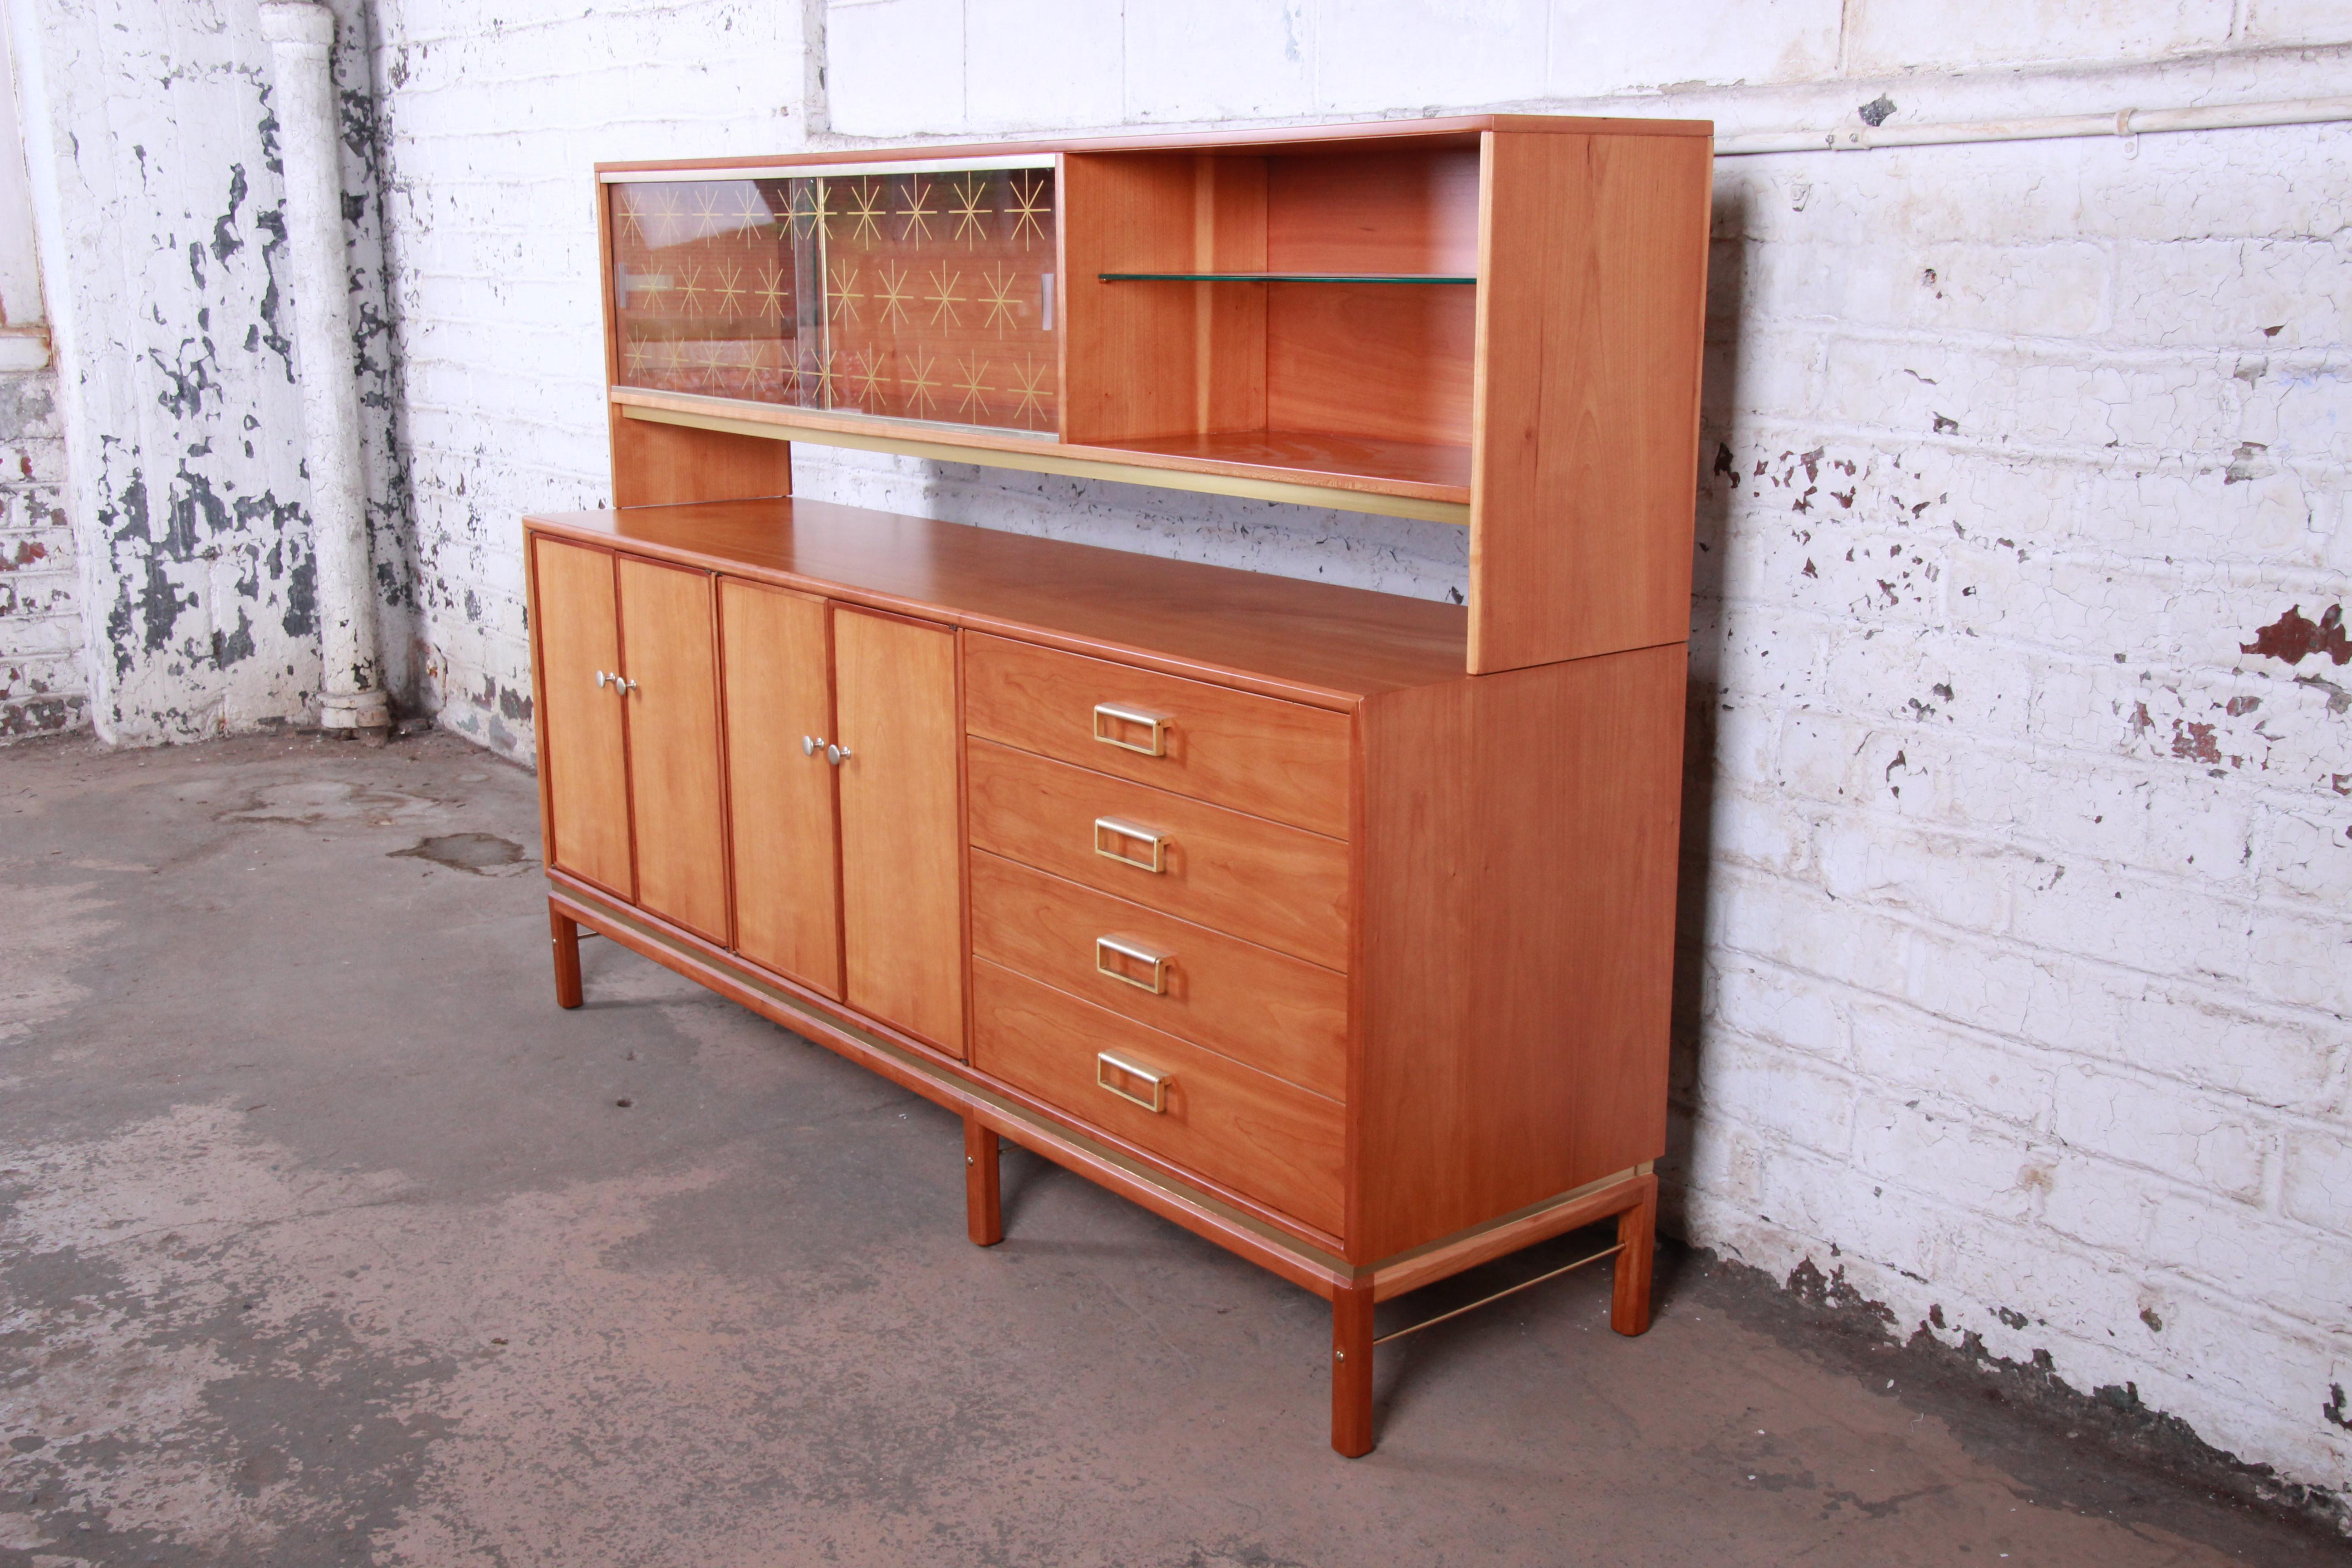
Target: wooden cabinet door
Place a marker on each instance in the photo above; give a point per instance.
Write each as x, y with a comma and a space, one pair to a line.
775, 658
901, 840
587, 774
670, 652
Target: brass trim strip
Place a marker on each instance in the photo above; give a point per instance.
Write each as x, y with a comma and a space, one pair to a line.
1043, 462
1507, 1290
828, 171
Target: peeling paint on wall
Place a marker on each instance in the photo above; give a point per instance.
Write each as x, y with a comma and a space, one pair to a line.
185, 435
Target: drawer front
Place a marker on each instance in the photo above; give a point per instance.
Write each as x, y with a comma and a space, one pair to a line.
1224, 1122
1255, 879
1263, 1008
1282, 760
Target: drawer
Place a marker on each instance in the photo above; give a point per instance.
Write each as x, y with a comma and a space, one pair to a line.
1261, 1008
1224, 1122
1260, 881
1271, 758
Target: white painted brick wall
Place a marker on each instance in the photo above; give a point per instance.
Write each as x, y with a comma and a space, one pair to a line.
151, 142
42, 685
2017, 904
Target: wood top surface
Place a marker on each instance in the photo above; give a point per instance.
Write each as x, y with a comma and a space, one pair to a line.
1460, 130
1313, 642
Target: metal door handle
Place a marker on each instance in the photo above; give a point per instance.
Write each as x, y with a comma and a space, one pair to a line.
1119, 714
837, 754
1108, 947
601, 679
1159, 1082
1117, 830
624, 687
811, 744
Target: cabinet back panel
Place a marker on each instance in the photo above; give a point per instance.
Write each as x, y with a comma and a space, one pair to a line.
677, 808
1163, 359
1387, 361
901, 827
1413, 211
780, 687
587, 783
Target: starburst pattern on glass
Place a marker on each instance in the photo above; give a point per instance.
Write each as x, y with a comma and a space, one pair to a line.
887, 296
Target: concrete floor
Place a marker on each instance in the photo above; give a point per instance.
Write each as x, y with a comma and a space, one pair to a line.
326, 1237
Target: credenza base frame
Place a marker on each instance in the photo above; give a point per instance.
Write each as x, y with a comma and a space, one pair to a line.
989, 1115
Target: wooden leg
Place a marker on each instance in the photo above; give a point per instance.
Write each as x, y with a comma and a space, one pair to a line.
567, 959
983, 1198
1637, 1232
1351, 1370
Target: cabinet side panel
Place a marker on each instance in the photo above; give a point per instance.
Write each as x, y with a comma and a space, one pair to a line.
668, 648
781, 798
1161, 359
1518, 938
901, 843
586, 785
1585, 451
655, 464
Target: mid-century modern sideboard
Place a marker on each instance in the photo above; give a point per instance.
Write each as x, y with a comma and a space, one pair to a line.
1334, 926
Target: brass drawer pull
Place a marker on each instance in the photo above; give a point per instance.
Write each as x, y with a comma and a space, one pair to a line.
1116, 830
1107, 948
1159, 1082
1119, 715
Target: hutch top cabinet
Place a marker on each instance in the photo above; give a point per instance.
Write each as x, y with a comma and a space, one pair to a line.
1332, 925
1492, 320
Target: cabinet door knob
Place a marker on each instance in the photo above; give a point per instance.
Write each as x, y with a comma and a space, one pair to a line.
624, 687
836, 755
811, 744
601, 679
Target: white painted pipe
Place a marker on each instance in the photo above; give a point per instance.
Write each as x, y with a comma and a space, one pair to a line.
301, 34
2046, 128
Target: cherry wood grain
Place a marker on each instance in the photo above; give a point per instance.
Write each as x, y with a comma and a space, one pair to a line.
661, 465
1378, 361
585, 765
1593, 261
1161, 358
1519, 853
1403, 209
901, 838
1382, 362
776, 658
1259, 881
1312, 642
1282, 760
1241, 1128
983, 1185
678, 807
1449, 130
1435, 472
1306, 1257
1337, 468
1351, 1370
1442, 1259
565, 936
1637, 1232
1260, 1008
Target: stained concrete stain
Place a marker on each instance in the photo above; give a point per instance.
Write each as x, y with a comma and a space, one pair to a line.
485, 854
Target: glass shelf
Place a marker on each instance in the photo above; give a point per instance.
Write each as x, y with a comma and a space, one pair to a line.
1282, 277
